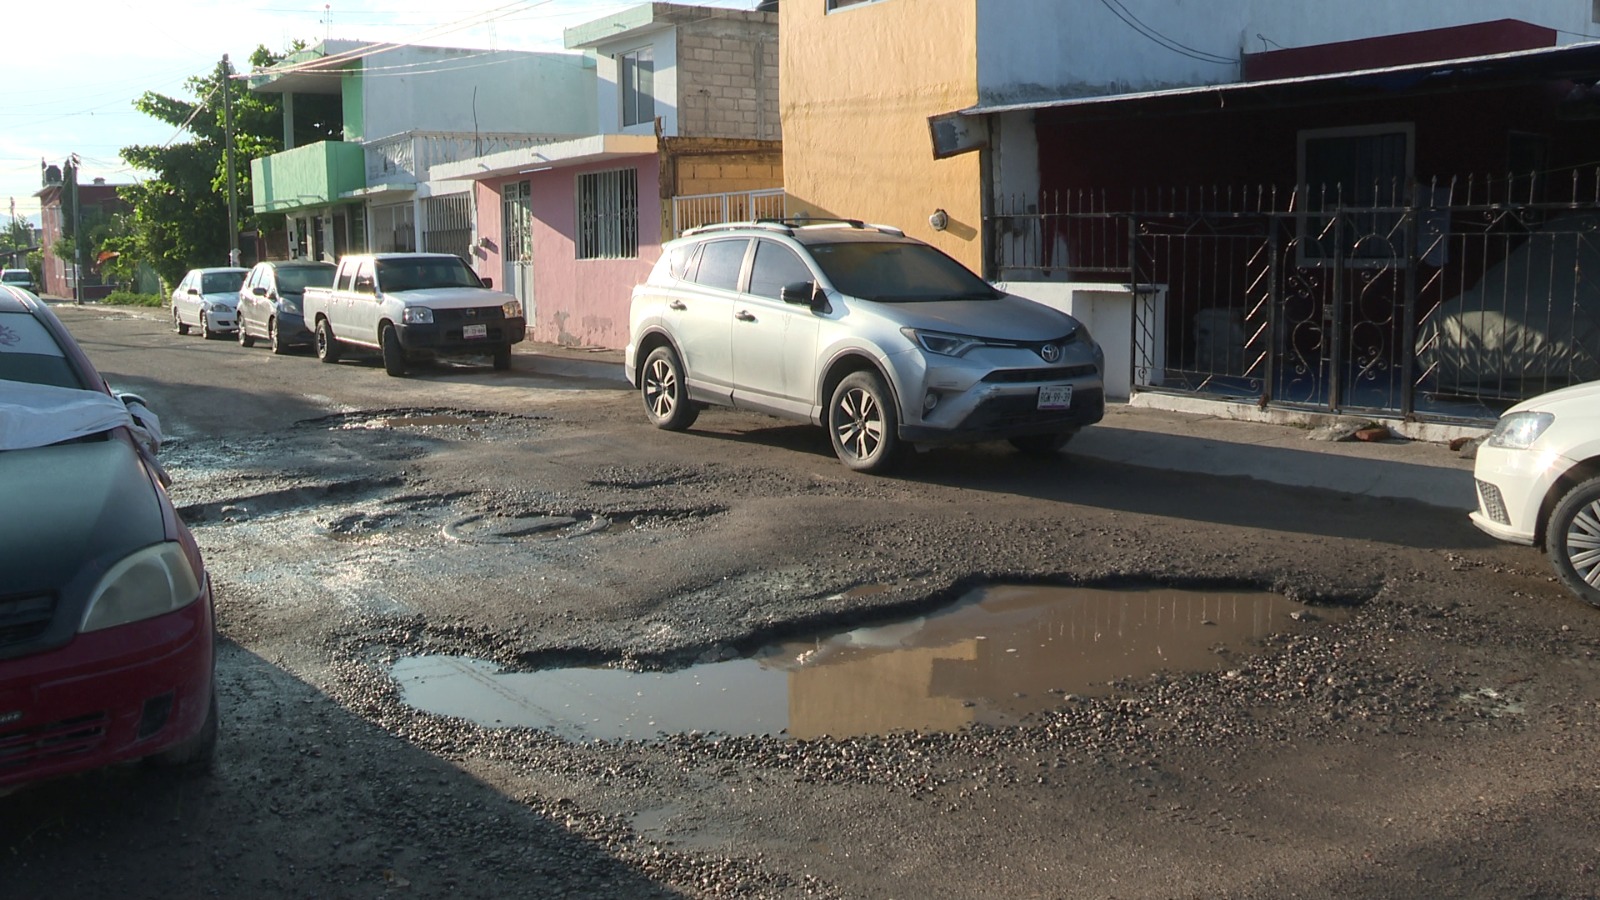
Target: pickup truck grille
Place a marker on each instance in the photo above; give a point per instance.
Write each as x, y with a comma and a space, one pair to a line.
471, 316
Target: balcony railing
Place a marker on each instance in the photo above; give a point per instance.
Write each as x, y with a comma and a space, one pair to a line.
406, 158
694, 210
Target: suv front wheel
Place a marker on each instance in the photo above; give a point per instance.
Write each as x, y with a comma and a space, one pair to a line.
863, 424
666, 391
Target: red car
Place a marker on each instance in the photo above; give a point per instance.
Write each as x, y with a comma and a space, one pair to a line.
107, 632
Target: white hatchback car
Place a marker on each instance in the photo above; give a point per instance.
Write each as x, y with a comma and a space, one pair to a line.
880, 338
1538, 479
208, 299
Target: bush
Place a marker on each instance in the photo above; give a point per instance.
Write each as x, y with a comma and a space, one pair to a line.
129, 298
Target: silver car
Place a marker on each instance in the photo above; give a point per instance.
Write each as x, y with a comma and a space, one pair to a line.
878, 337
207, 299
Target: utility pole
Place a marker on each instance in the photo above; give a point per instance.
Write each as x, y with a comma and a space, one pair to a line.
69, 181
227, 128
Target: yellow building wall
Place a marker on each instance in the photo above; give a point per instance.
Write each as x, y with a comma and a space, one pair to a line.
858, 86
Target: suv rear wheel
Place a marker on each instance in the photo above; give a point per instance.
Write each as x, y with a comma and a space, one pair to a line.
666, 391
863, 424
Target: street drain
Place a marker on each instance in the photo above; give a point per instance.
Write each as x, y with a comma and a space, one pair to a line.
997, 656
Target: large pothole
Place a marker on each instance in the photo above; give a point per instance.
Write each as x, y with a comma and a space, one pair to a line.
997, 656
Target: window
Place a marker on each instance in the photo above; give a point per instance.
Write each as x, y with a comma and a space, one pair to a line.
364, 283
221, 282
720, 264
608, 215
1361, 178
638, 77
775, 267
843, 4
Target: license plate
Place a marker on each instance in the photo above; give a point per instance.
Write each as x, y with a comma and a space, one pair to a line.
478, 331
1055, 396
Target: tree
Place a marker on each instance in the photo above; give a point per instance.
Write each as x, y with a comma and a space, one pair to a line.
179, 218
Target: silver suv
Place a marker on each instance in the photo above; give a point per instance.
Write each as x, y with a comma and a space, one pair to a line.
878, 337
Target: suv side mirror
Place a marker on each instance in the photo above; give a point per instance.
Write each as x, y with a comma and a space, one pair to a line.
800, 293
487, 282
259, 291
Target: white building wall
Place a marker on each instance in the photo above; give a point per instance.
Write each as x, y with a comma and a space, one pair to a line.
1046, 49
467, 91
664, 45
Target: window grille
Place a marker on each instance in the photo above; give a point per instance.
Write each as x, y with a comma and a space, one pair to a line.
608, 215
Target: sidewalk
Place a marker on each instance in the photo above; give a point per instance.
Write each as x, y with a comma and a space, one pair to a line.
1208, 438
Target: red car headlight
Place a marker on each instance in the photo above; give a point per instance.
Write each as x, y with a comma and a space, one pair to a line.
152, 582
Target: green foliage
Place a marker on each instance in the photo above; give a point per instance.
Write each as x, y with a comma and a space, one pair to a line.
129, 298
179, 217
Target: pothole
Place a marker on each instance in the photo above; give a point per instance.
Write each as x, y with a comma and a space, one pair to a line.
527, 525
422, 418
997, 656
295, 498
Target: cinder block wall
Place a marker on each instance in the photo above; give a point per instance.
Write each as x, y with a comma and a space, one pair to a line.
728, 77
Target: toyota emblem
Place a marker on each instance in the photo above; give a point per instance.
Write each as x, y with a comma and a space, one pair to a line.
1050, 352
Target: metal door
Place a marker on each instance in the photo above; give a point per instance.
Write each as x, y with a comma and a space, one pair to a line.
516, 230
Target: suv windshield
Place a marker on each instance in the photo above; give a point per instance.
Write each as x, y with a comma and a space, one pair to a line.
894, 272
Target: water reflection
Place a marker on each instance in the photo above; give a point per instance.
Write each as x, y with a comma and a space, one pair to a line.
997, 656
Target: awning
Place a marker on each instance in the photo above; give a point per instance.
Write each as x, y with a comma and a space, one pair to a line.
562, 154
1573, 62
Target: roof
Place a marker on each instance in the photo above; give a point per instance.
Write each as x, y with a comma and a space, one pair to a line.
1576, 62
581, 151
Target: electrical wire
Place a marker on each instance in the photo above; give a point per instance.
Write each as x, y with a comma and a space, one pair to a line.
1132, 21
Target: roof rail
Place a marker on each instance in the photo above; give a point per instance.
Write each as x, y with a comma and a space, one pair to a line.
768, 224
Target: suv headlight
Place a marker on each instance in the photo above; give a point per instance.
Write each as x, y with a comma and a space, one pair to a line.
1081, 334
149, 583
1518, 431
417, 315
511, 309
940, 342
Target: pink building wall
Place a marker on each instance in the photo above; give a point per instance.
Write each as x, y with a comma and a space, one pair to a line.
576, 302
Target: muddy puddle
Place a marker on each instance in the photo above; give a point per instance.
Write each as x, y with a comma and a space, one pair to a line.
997, 656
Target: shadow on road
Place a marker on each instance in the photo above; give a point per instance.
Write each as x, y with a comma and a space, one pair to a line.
306, 800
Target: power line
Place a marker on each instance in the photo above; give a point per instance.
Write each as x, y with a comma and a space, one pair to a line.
1132, 21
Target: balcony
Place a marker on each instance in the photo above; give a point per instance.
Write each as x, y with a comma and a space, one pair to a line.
310, 176
403, 160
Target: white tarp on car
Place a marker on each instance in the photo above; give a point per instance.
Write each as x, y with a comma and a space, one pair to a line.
1531, 323
37, 415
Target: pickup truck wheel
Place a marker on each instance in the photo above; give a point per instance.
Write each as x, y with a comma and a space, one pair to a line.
274, 339
394, 355
863, 424
327, 344
178, 323
502, 358
666, 392
1572, 538
245, 340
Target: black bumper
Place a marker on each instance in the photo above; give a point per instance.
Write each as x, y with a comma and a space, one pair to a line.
1015, 416
449, 336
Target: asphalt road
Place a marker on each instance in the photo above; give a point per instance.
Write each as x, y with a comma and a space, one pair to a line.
1414, 713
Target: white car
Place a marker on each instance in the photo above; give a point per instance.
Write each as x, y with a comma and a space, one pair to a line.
208, 299
1538, 479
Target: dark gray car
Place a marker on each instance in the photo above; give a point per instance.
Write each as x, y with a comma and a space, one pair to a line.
269, 302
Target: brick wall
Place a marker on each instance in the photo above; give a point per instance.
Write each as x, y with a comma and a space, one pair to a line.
728, 76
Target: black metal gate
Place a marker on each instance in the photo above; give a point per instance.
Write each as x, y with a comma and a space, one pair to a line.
1437, 308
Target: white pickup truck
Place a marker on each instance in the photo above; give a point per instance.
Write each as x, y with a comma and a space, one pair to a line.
410, 306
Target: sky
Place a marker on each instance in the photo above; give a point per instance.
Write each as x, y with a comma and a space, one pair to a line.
54, 103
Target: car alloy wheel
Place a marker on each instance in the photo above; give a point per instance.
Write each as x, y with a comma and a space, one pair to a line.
1572, 538
274, 339
862, 423
666, 392
245, 340
178, 323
